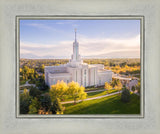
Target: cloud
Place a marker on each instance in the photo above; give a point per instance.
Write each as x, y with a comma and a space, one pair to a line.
129, 47
39, 25
42, 26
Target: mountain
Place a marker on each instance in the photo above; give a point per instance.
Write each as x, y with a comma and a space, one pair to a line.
120, 54
32, 56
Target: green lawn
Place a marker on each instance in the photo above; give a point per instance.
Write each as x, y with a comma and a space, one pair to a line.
93, 88
27, 87
100, 93
93, 94
22, 82
32, 82
106, 105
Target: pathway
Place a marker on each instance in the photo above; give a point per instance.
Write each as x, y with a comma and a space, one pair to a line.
27, 84
94, 98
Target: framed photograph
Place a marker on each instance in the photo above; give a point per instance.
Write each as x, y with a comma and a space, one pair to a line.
99, 75
79, 67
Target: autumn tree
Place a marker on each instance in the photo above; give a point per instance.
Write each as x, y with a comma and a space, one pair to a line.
76, 91
42, 68
107, 86
58, 90
118, 86
114, 82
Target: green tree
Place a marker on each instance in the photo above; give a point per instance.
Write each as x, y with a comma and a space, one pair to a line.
42, 68
125, 97
76, 92
36, 75
46, 101
133, 88
34, 92
25, 101
34, 106
56, 107
138, 86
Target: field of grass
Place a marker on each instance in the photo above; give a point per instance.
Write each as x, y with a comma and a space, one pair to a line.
31, 82
22, 82
94, 94
106, 105
100, 93
93, 88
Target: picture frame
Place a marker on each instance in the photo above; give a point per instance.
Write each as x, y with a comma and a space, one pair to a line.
10, 123
77, 17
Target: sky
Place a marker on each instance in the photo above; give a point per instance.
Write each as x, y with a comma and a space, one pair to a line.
49, 39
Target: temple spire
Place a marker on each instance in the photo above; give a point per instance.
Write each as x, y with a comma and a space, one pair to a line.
75, 34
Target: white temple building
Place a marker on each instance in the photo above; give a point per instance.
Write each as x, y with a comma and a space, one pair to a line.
76, 70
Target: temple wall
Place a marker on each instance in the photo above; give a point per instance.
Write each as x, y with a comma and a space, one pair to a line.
99, 66
92, 76
104, 77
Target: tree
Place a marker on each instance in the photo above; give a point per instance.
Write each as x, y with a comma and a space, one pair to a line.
20, 70
34, 106
82, 94
46, 101
36, 75
25, 101
125, 97
138, 86
75, 91
56, 107
34, 92
118, 86
107, 86
42, 68
133, 88
114, 82
58, 90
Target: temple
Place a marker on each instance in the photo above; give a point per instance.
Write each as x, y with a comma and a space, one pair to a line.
76, 70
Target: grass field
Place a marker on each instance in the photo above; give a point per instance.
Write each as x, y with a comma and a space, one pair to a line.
94, 94
100, 93
106, 105
22, 82
93, 88
31, 82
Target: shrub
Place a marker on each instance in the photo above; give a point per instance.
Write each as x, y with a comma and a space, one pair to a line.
34, 106
25, 101
34, 92
133, 88
46, 101
125, 97
56, 107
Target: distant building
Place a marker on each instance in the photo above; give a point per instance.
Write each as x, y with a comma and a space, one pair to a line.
76, 70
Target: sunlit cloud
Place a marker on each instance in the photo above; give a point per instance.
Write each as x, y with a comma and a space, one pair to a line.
112, 47
39, 25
